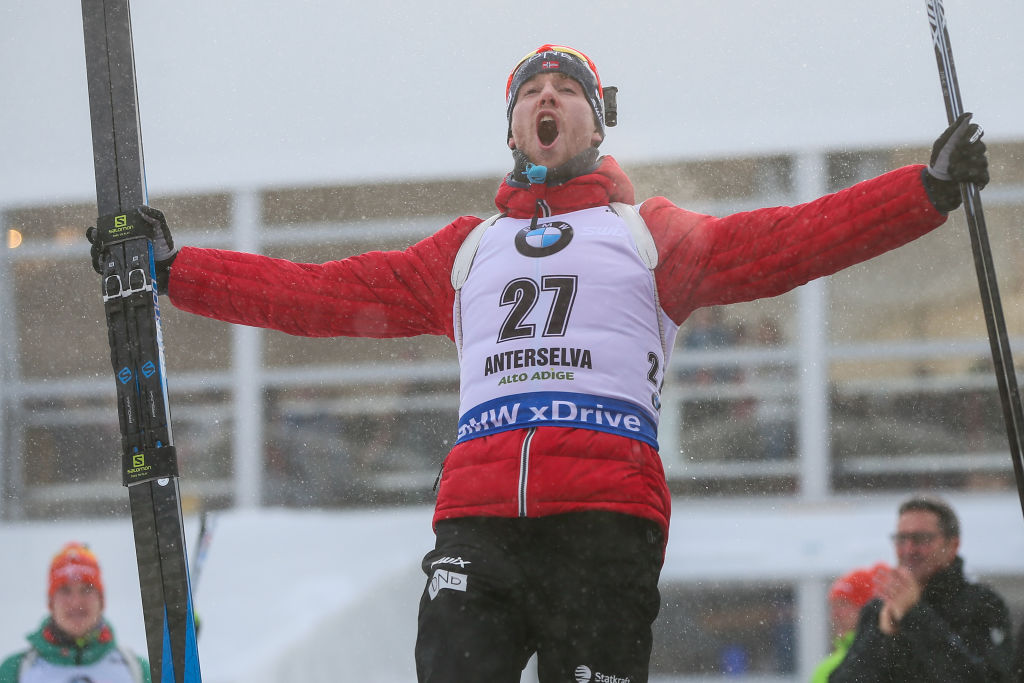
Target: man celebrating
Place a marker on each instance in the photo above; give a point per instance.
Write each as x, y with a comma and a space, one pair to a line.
75, 643
929, 623
553, 508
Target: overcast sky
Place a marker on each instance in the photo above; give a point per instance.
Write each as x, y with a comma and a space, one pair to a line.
240, 93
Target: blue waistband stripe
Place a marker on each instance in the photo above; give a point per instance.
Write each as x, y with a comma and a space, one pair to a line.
558, 409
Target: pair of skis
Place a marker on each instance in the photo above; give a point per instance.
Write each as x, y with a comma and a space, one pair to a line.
129, 291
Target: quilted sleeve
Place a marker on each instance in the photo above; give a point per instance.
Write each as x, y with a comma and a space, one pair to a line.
377, 294
707, 261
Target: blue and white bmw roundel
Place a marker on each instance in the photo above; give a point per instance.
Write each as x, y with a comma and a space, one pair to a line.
543, 240
543, 237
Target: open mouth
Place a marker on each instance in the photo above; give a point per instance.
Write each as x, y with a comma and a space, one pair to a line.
547, 130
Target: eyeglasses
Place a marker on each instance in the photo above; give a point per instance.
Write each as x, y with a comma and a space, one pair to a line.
914, 538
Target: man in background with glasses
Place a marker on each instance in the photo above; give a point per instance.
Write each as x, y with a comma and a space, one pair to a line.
929, 622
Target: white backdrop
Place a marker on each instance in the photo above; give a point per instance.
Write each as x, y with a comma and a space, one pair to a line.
242, 92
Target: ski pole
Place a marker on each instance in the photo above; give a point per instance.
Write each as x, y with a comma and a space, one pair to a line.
206, 524
1002, 358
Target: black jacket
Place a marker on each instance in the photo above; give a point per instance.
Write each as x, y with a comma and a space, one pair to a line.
958, 631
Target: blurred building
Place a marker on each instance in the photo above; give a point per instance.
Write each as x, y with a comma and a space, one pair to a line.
874, 382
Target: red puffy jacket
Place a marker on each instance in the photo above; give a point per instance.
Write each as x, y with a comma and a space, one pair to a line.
703, 261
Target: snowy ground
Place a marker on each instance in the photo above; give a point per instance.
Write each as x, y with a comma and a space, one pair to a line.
283, 595
310, 596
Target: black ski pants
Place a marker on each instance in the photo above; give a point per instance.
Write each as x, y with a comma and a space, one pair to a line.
579, 589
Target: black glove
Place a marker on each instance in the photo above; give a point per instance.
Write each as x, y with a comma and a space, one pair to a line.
95, 250
958, 156
163, 244
164, 252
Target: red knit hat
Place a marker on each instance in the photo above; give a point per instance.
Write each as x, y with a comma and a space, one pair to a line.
75, 562
858, 587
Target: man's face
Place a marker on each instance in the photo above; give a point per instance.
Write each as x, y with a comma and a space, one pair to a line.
76, 608
920, 545
552, 120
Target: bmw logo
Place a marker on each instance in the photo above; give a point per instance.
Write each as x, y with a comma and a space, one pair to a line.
543, 240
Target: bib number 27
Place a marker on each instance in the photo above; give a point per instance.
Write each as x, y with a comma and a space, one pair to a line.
522, 295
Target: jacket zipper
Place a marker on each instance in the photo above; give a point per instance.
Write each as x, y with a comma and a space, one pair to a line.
540, 209
524, 469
